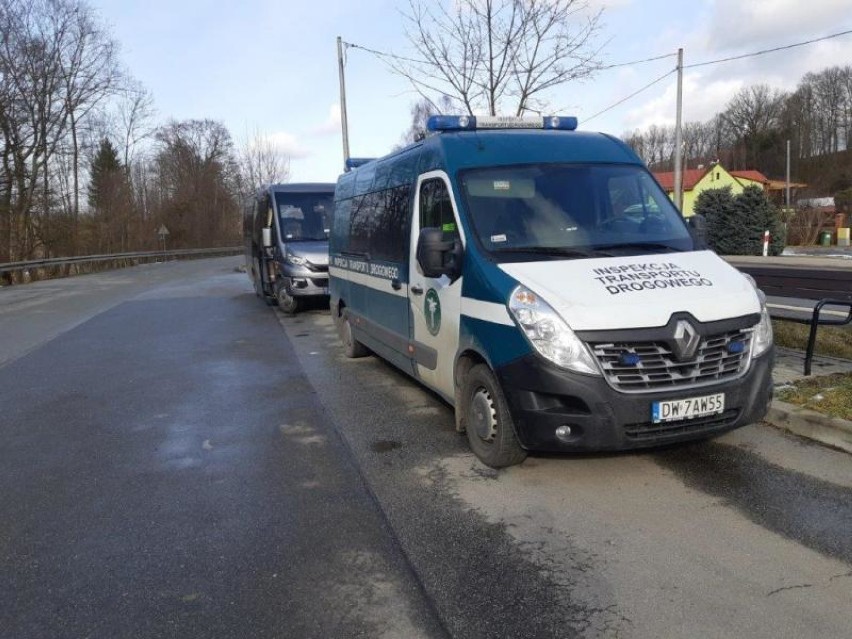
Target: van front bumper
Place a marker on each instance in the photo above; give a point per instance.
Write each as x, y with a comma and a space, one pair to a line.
543, 397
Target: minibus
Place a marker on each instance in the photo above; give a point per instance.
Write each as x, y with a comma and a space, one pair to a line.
285, 236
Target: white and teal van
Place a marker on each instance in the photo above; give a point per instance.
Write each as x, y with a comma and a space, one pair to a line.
539, 280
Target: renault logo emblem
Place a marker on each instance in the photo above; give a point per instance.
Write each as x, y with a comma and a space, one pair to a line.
686, 340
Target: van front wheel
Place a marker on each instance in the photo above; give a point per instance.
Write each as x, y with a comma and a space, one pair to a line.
487, 420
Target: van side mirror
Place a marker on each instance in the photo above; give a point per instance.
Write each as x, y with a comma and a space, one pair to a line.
698, 230
266, 237
437, 256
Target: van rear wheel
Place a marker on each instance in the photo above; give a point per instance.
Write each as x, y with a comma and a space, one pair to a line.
488, 423
352, 348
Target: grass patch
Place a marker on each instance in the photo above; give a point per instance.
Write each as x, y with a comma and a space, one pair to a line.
835, 341
828, 394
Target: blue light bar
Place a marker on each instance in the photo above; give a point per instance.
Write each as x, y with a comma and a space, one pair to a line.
561, 122
473, 122
450, 122
354, 163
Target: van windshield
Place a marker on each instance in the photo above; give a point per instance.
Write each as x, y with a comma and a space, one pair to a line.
304, 216
569, 211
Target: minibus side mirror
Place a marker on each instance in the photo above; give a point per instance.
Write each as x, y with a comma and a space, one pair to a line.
266, 237
437, 256
698, 230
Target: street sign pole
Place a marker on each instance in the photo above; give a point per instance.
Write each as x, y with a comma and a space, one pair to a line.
163, 233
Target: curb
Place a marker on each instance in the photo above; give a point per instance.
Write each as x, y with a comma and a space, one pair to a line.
832, 431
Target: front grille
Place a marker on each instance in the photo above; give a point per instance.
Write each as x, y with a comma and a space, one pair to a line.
649, 431
319, 282
634, 367
317, 268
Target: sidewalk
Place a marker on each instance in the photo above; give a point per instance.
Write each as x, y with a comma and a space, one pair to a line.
789, 366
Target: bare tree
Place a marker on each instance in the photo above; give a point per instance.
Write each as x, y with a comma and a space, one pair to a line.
499, 55
753, 116
261, 163
89, 71
135, 119
421, 111
198, 183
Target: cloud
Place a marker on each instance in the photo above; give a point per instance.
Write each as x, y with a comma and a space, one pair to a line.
735, 24
331, 126
729, 28
288, 144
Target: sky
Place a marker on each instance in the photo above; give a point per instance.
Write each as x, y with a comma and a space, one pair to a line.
269, 67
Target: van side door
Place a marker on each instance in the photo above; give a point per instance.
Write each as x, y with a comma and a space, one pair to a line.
435, 302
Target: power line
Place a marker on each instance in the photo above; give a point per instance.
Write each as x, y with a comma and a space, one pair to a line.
393, 56
632, 95
631, 63
765, 51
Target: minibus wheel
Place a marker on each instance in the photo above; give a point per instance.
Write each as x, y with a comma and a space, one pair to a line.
352, 348
286, 302
488, 423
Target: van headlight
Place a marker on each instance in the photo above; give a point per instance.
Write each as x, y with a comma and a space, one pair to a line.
548, 332
296, 260
762, 338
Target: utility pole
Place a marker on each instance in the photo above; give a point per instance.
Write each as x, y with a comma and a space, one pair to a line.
678, 150
787, 198
344, 125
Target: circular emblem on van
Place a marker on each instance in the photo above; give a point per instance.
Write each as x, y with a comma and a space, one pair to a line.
432, 311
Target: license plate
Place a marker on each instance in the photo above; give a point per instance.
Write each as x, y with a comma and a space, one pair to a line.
678, 409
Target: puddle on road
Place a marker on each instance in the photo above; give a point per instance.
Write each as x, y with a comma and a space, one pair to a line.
812, 512
385, 446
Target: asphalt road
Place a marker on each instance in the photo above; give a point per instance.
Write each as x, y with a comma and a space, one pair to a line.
168, 471
184, 461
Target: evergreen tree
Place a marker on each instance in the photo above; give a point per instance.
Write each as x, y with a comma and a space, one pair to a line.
110, 199
106, 172
735, 224
758, 215
723, 226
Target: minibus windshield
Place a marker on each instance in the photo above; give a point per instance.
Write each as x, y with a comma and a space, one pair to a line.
304, 216
571, 211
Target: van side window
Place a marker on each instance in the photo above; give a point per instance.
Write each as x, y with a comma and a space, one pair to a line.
391, 229
374, 225
436, 210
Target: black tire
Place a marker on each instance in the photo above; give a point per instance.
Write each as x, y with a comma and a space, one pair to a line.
286, 302
487, 421
352, 348
255, 278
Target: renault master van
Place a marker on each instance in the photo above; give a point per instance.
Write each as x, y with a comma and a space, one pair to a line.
539, 279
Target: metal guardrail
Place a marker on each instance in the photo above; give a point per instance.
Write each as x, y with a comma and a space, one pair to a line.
813, 317
10, 267
817, 321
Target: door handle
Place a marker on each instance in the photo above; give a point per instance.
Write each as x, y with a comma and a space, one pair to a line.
396, 284
416, 290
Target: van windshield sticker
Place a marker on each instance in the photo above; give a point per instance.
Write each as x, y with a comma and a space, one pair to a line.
630, 278
498, 238
449, 227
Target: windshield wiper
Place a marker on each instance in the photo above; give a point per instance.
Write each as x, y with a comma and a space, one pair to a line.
655, 246
545, 250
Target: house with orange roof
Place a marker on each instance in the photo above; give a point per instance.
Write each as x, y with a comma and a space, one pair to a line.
715, 176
